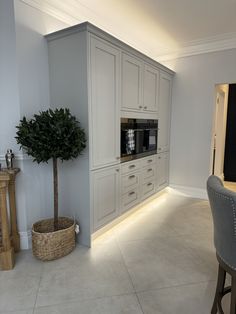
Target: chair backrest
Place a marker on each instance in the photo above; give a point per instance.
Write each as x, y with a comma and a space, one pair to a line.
223, 207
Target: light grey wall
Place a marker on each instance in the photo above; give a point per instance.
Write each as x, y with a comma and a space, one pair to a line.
24, 90
9, 99
32, 57
9, 92
192, 113
34, 95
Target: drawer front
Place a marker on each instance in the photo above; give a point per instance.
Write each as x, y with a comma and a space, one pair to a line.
149, 172
130, 199
130, 166
149, 160
148, 189
130, 181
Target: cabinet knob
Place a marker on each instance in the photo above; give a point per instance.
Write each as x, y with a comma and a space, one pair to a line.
145, 107
117, 170
131, 193
140, 107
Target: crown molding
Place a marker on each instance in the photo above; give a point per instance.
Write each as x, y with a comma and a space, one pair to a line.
64, 13
207, 45
51, 10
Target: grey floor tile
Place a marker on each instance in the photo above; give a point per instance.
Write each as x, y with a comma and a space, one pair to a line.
126, 304
86, 274
201, 245
27, 264
141, 228
194, 299
162, 263
165, 245
18, 287
193, 217
17, 292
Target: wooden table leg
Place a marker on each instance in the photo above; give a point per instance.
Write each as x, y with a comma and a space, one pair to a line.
12, 203
7, 253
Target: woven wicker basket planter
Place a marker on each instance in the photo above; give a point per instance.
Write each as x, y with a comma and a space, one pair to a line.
48, 244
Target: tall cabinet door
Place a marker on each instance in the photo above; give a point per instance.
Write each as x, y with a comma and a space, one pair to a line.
164, 112
131, 78
106, 195
162, 170
150, 88
105, 135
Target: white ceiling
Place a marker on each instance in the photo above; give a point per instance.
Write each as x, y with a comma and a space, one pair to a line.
163, 29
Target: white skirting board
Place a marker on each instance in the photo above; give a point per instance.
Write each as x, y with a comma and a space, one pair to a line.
188, 191
25, 240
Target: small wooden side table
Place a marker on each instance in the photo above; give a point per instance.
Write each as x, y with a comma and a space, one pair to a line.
10, 240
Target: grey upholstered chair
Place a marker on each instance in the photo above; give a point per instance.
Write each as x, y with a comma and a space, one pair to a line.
223, 207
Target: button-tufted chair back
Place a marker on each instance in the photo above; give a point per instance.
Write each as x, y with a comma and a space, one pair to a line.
223, 207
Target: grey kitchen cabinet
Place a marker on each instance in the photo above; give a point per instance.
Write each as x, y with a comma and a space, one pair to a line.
99, 78
162, 173
140, 85
105, 112
138, 181
150, 88
164, 112
130, 184
105, 195
131, 82
148, 173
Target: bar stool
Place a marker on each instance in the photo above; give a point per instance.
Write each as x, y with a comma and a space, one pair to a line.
223, 207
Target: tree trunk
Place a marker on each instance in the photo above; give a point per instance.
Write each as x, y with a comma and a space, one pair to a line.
55, 186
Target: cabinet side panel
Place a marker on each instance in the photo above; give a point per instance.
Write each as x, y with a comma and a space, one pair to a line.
68, 88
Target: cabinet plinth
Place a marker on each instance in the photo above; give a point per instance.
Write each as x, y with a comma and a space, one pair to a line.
10, 240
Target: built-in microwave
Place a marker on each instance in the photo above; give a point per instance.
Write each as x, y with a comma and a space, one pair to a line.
138, 138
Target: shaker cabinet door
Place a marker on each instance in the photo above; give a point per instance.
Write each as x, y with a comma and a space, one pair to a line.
131, 83
162, 170
106, 195
150, 88
105, 135
164, 112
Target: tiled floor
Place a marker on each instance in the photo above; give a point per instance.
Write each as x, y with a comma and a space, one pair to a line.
158, 261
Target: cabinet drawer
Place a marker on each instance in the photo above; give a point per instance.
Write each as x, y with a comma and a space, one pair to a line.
130, 181
130, 199
130, 166
149, 160
149, 172
148, 189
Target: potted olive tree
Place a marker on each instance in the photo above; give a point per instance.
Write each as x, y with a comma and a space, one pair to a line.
52, 134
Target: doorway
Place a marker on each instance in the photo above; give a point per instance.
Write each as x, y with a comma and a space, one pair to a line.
219, 129
230, 141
